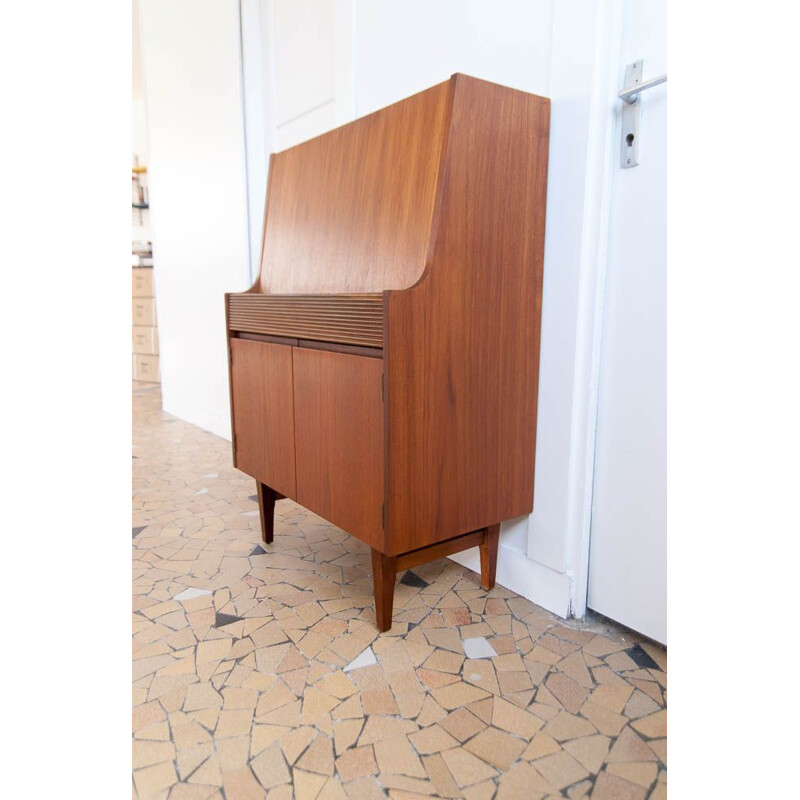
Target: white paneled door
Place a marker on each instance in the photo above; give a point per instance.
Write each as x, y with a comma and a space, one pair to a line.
628, 546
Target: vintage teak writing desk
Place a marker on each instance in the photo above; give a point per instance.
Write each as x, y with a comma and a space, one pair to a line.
384, 367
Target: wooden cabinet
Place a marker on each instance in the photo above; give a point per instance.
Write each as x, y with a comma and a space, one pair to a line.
384, 366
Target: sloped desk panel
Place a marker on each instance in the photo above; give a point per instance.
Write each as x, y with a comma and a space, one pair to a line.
352, 210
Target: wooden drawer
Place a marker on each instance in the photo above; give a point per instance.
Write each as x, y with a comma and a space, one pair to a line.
145, 340
263, 413
143, 282
145, 368
355, 319
144, 311
339, 440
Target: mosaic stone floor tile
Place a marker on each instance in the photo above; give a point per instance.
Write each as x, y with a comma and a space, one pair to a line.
641, 657
364, 659
221, 620
190, 594
258, 673
412, 579
478, 647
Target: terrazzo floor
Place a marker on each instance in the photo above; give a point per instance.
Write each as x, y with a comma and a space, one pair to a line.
258, 671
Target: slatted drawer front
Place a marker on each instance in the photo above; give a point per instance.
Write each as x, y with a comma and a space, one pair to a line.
345, 318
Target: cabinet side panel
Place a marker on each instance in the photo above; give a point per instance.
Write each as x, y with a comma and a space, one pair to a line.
463, 345
263, 413
339, 437
351, 210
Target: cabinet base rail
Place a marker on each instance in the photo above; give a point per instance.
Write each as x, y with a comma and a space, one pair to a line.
385, 568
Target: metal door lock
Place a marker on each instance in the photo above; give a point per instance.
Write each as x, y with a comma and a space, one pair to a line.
631, 111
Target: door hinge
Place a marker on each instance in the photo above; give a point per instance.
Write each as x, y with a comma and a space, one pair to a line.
383, 515
383, 392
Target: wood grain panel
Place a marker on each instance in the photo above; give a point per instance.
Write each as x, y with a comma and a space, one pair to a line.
462, 346
339, 440
263, 413
440, 550
347, 319
351, 211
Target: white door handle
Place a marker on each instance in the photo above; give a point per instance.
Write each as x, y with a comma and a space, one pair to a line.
631, 111
631, 93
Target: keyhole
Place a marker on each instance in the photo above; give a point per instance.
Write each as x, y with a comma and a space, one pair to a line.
629, 139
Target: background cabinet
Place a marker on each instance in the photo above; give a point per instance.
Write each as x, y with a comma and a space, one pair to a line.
145, 331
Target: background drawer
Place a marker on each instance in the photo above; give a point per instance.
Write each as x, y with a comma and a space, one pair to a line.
144, 311
145, 368
145, 340
143, 282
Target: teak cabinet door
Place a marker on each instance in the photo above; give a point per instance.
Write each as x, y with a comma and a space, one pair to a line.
263, 413
339, 440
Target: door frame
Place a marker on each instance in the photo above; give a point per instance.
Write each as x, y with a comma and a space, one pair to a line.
598, 119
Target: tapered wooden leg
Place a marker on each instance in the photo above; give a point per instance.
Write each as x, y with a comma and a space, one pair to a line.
384, 570
266, 510
488, 551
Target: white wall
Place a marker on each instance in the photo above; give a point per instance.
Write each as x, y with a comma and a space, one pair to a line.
309, 66
403, 48
192, 70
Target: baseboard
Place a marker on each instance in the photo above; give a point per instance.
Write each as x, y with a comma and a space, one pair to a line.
538, 583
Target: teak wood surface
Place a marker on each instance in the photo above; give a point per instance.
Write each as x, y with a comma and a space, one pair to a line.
263, 413
266, 511
351, 210
462, 347
339, 440
414, 236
